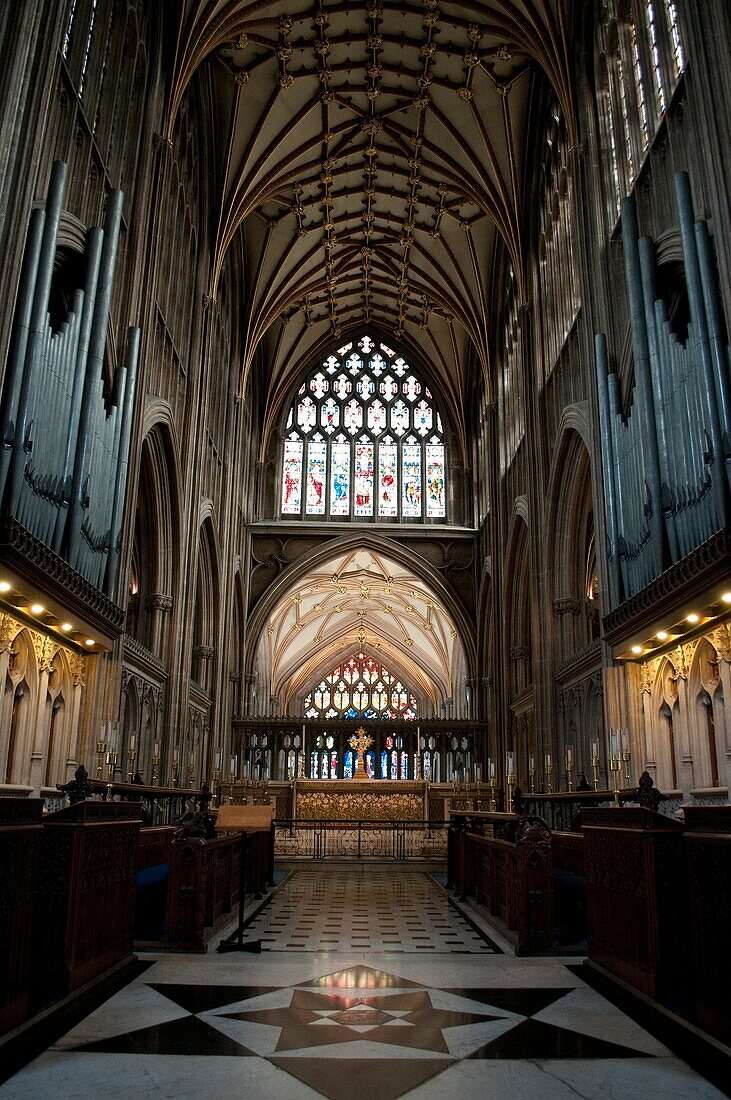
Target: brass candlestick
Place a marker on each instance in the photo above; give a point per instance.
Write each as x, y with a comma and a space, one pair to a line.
191, 775
614, 764
131, 754
510, 793
214, 788
532, 777
626, 760
493, 803
230, 798
595, 768
101, 749
569, 777
176, 781
155, 762
112, 758
549, 778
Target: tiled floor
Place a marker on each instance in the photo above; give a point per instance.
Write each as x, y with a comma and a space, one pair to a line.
367, 908
352, 1023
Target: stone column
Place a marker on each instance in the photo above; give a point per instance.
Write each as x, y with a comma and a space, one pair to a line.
157, 605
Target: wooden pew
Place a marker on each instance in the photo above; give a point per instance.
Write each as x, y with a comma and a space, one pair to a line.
85, 896
637, 899
20, 837
708, 848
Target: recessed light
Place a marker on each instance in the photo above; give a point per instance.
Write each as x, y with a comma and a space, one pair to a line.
66, 627
37, 609
693, 618
637, 649
5, 587
662, 635
726, 597
90, 641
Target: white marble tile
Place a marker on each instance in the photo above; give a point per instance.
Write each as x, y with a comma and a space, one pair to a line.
465, 1040
136, 1006
611, 1079
586, 1011
65, 1075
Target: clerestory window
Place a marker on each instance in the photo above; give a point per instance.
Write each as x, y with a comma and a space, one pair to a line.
364, 440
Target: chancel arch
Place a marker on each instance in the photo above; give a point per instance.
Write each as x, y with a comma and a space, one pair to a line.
370, 596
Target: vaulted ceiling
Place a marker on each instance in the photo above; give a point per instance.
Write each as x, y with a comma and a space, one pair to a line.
373, 154
362, 600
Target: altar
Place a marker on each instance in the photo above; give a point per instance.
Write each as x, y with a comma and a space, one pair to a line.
360, 800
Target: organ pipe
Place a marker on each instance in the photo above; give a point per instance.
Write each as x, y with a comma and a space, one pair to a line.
665, 464
65, 441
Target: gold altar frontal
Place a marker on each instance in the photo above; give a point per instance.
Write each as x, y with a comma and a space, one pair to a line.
359, 800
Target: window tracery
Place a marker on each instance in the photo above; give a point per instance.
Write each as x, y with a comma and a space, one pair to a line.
361, 687
641, 58
364, 440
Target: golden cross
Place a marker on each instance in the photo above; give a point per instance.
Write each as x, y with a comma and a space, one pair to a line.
360, 741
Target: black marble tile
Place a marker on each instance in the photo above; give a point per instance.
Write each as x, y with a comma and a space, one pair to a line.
204, 998
189, 1035
535, 1040
385, 1078
522, 1001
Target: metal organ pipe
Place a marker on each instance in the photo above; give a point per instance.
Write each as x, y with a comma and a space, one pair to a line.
665, 465
65, 481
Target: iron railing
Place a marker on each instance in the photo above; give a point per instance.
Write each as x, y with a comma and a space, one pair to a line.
360, 839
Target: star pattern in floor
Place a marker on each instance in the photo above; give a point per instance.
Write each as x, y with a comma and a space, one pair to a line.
394, 1033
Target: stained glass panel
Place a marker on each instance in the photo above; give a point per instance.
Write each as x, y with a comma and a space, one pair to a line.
340, 479
363, 479
292, 476
377, 417
342, 386
400, 417
316, 474
411, 480
330, 416
353, 418
306, 414
361, 687
422, 418
435, 504
349, 440
387, 475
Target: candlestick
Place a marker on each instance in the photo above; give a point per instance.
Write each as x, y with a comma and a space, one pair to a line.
532, 773
101, 748
111, 765
549, 774
155, 763
626, 760
191, 772
176, 781
215, 788
614, 764
231, 777
130, 763
595, 763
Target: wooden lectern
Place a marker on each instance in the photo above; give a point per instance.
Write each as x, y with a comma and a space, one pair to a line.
244, 820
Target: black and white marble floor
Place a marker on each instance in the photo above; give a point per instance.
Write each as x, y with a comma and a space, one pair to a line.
354, 1022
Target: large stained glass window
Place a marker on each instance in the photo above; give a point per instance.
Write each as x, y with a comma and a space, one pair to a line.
360, 687
364, 440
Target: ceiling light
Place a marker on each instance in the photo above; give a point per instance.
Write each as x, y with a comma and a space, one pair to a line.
66, 627
90, 641
637, 649
37, 609
693, 618
5, 587
726, 597
662, 635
